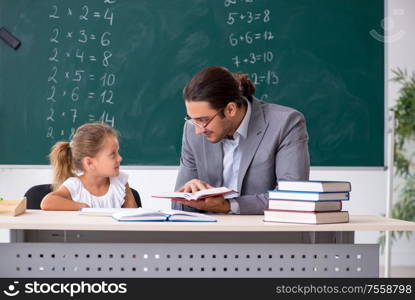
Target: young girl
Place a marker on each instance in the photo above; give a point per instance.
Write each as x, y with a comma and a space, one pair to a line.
94, 152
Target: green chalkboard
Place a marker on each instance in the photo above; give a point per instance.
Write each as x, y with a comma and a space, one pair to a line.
126, 63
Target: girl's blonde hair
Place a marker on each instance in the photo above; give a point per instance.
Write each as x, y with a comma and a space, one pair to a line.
66, 158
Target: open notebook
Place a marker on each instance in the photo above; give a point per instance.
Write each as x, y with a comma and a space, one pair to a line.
142, 214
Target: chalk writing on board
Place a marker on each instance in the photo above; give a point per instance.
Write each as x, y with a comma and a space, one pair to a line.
228, 3
249, 37
78, 91
248, 17
241, 17
253, 58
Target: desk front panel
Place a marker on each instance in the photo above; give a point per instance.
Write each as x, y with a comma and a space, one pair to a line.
187, 260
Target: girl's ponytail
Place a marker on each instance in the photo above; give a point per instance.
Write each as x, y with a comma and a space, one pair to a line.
62, 163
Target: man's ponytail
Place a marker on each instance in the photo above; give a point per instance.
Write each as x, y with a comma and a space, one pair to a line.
247, 87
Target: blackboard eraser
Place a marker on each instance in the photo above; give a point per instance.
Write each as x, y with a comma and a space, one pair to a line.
10, 39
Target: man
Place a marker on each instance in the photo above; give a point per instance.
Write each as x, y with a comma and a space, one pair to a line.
232, 139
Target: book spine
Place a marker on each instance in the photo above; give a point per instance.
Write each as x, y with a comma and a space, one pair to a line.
303, 211
321, 223
278, 192
316, 196
306, 201
307, 212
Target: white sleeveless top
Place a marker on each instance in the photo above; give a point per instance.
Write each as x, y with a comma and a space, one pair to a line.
114, 198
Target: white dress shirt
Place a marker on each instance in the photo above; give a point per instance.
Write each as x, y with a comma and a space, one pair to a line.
232, 157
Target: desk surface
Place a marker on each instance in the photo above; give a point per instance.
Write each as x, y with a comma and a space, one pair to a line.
69, 220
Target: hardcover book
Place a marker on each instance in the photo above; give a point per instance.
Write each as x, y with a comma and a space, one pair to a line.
314, 186
305, 205
311, 196
285, 216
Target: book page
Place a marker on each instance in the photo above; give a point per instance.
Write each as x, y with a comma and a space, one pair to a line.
141, 214
174, 195
187, 215
198, 195
213, 191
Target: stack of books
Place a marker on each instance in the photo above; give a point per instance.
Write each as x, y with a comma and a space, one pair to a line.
310, 202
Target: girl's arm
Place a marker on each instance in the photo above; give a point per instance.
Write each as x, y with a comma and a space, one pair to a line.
60, 200
129, 198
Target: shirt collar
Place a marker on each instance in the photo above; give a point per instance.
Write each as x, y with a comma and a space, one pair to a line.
243, 127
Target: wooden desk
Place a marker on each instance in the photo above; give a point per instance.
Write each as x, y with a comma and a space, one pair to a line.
66, 244
68, 220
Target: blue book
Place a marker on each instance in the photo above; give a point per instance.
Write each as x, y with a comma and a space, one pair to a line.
314, 186
308, 196
149, 215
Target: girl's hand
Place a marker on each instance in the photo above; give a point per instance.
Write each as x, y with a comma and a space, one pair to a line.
129, 201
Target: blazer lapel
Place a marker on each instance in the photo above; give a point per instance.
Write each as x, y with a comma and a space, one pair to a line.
249, 146
213, 162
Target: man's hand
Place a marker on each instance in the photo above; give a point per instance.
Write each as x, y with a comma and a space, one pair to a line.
194, 185
214, 204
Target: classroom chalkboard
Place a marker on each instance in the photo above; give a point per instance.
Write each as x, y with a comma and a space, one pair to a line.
126, 62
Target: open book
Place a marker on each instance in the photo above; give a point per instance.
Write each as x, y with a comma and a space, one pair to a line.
200, 194
142, 214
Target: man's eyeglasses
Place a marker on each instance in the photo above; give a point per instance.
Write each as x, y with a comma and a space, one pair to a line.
202, 123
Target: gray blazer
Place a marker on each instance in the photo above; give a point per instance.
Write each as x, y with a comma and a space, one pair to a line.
276, 148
